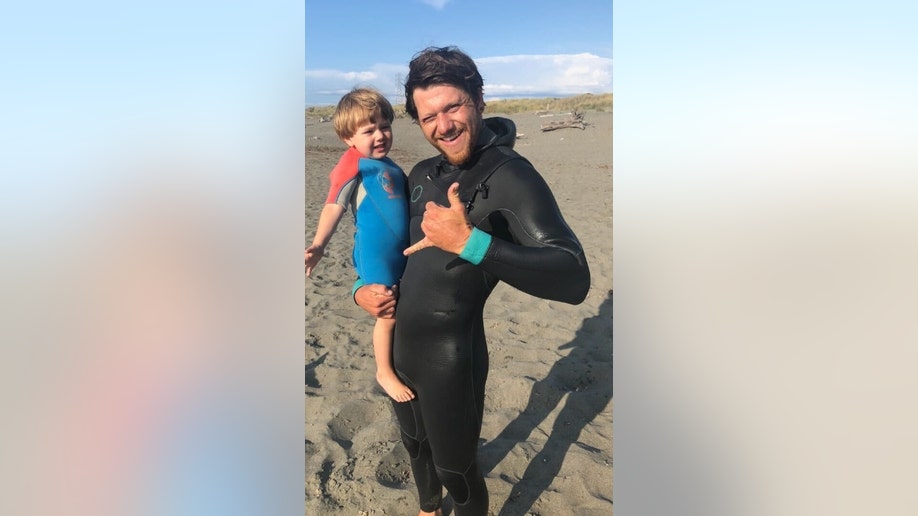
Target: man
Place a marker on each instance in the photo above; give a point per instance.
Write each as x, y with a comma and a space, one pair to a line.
479, 214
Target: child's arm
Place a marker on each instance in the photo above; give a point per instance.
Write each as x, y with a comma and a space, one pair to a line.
328, 222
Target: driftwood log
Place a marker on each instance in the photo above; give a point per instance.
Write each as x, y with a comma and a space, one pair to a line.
575, 120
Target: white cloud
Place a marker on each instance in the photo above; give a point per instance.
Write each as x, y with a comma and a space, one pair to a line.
504, 76
564, 74
324, 87
337, 75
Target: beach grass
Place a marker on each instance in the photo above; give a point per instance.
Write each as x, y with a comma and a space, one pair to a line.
584, 102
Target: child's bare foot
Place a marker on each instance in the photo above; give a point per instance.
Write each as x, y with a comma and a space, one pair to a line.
394, 387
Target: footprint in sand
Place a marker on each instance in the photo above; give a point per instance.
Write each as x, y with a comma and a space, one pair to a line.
394, 469
352, 417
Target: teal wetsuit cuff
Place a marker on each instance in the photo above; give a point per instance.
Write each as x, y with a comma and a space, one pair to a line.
357, 284
475, 249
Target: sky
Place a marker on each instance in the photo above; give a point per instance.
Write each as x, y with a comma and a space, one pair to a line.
522, 48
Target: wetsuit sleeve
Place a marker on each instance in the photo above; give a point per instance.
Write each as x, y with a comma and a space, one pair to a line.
476, 247
343, 178
542, 257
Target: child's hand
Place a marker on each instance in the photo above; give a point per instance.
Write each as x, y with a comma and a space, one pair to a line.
313, 254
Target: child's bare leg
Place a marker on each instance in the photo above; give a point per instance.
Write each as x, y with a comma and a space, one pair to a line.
382, 351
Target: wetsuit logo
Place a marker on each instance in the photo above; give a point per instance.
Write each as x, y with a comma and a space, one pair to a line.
416, 193
385, 180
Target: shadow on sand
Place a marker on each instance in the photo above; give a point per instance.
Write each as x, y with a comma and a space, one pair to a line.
585, 376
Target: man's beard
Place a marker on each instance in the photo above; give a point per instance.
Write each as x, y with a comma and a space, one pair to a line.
460, 156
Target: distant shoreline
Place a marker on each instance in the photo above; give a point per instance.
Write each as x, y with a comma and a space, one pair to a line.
582, 102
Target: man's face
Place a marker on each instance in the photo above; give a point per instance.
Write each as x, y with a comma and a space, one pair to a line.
449, 119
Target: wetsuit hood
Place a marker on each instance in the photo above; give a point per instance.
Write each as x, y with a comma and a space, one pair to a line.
496, 131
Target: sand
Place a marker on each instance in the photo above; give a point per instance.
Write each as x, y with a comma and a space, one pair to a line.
546, 442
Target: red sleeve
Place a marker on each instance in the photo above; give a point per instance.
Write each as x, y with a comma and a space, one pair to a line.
343, 178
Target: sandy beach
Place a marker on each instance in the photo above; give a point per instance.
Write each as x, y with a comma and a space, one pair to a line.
546, 442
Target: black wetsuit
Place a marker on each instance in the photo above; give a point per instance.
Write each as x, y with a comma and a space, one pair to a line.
440, 349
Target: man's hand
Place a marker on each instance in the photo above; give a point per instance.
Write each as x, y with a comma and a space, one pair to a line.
313, 253
445, 227
377, 300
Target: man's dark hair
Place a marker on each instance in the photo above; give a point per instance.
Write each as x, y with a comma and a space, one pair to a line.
442, 65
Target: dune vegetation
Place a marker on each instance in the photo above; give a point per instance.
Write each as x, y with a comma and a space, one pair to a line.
585, 102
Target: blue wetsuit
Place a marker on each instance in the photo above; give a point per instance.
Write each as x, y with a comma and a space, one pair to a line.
375, 190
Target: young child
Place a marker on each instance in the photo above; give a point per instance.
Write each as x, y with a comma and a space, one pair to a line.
374, 186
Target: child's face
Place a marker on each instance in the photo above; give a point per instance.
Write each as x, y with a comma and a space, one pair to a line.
373, 139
